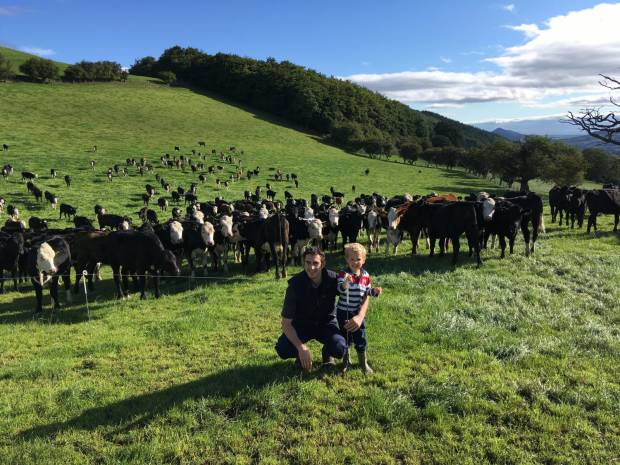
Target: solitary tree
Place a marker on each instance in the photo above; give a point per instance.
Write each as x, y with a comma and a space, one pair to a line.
604, 126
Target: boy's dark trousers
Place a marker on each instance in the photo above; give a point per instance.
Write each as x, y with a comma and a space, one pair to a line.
358, 337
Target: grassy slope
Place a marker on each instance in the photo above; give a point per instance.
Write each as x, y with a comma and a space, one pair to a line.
515, 362
17, 58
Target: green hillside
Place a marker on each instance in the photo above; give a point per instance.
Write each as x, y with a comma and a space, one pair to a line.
515, 362
17, 58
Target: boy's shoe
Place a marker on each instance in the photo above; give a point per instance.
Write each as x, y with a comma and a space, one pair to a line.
327, 359
346, 361
361, 356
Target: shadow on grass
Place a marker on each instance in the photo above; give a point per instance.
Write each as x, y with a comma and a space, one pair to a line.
138, 411
20, 308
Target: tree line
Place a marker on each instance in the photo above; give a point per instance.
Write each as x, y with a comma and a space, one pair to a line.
344, 113
43, 70
536, 157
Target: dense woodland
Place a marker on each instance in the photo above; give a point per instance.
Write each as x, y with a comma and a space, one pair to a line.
348, 115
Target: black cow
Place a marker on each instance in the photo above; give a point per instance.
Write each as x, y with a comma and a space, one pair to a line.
576, 206
505, 223
36, 224
38, 194
349, 224
532, 206
51, 198
113, 221
148, 216
81, 222
46, 262
175, 196
53, 173
162, 203
11, 247
558, 203
67, 210
137, 252
68, 180
605, 201
28, 175
273, 231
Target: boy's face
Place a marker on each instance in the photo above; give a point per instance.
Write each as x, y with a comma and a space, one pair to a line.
355, 260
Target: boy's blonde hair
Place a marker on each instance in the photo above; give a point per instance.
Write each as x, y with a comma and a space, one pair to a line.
354, 247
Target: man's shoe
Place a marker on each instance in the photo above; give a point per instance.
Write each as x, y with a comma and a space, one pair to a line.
361, 356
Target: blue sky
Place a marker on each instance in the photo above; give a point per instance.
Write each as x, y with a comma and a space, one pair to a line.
469, 60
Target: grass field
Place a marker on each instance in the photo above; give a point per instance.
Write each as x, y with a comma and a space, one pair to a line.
516, 362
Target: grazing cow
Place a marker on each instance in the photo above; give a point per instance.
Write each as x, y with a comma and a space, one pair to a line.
162, 203
109, 174
177, 148
67, 210
5, 147
13, 212
38, 194
28, 175
45, 263
190, 198
137, 252
201, 143
13, 226
51, 198
148, 216
176, 197
36, 224
113, 221
92, 164
505, 223
558, 202
367, 171
11, 247
68, 180
146, 198
606, 201
81, 222
99, 209
53, 173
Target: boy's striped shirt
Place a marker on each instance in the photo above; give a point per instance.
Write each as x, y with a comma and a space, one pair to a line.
359, 288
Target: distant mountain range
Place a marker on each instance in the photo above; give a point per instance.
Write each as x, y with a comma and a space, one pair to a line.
551, 127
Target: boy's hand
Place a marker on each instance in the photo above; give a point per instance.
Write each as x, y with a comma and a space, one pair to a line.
347, 279
353, 324
376, 291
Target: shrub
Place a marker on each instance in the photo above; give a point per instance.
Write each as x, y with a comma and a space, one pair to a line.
39, 69
6, 69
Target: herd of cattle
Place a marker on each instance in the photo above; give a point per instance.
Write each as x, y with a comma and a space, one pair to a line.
275, 230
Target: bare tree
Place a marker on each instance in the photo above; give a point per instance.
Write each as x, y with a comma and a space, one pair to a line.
602, 126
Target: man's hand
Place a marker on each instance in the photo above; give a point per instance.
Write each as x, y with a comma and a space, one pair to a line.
353, 324
305, 357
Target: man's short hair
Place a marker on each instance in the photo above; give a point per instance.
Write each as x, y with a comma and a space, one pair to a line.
314, 251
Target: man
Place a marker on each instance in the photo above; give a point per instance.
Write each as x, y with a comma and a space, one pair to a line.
309, 313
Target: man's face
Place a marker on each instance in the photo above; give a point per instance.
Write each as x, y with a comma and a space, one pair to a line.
313, 266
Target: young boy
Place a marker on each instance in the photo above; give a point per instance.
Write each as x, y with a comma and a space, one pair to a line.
350, 310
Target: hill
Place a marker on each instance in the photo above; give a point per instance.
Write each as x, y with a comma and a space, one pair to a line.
513, 362
588, 142
347, 114
510, 135
17, 58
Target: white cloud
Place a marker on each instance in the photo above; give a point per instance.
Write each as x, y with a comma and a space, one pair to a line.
43, 52
445, 60
9, 10
510, 8
562, 57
